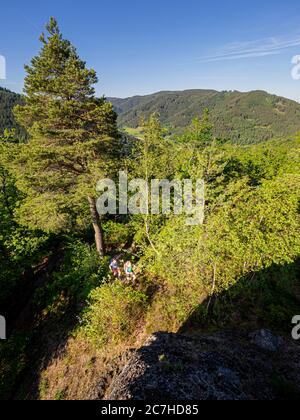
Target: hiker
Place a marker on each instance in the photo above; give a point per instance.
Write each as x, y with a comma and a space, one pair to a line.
128, 268
114, 267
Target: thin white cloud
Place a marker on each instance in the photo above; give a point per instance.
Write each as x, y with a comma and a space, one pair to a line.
252, 49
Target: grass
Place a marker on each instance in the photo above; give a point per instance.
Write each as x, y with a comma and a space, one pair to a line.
136, 132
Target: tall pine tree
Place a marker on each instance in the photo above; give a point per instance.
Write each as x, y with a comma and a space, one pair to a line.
73, 139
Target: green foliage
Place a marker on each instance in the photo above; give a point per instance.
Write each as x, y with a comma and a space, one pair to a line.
117, 235
113, 313
22, 244
151, 157
265, 161
266, 298
8, 100
200, 132
20, 248
80, 272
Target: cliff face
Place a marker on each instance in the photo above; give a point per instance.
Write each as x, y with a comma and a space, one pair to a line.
222, 366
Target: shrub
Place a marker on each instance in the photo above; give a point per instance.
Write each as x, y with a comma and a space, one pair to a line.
81, 271
113, 313
116, 234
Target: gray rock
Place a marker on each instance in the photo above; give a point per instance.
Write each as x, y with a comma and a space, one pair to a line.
229, 376
222, 366
266, 340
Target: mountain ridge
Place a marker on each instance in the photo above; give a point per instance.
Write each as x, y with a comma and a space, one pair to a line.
244, 117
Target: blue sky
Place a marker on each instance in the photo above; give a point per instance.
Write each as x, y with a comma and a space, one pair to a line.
140, 47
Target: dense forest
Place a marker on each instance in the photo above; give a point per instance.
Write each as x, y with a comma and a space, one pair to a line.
244, 118
68, 318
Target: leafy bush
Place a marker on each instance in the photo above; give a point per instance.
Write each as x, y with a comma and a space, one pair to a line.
81, 271
113, 314
251, 230
116, 234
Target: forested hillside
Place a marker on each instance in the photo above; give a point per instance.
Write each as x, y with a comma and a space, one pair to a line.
245, 118
242, 117
73, 312
8, 100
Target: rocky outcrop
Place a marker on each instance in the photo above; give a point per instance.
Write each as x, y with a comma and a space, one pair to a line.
222, 366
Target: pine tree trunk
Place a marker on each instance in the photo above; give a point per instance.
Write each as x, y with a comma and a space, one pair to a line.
97, 227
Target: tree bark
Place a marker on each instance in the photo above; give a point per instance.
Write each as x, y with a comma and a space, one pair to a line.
97, 227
